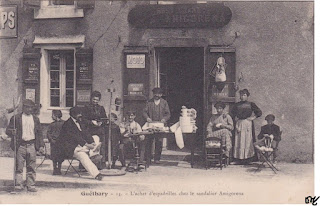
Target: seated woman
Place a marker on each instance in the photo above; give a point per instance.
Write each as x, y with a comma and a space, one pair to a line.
220, 126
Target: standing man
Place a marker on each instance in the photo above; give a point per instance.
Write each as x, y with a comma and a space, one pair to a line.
95, 117
28, 141
156, 110
76, 143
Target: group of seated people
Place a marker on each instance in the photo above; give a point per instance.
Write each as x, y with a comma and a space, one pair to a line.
83, 137
221, 125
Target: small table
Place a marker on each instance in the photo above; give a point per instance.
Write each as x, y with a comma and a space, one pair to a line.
150, 137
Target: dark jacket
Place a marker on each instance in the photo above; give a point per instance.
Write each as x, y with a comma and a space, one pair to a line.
70, 137
94, 112
37, 131
151, 112
270, 129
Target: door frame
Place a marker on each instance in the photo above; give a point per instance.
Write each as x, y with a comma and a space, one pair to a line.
180, 42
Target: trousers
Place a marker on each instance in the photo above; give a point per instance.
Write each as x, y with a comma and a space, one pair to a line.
26, 153
83, 157
158, 145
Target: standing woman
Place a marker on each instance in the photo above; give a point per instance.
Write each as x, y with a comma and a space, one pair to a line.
244, 112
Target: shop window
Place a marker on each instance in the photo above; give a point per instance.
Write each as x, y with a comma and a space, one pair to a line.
62, 78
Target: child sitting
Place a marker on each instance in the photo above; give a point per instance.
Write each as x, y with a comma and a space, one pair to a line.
270, 134
127, 129
53, 134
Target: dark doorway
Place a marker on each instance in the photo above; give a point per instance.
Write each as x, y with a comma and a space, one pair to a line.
181, 72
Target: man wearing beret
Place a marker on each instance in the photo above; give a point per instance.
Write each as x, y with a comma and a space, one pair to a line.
28, 136
157, 109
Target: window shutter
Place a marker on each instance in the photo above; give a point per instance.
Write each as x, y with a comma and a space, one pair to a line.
84, 73
85, 4
31, 74
32, 3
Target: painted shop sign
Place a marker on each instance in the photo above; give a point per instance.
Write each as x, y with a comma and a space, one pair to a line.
135, 89
136, 61
83, 95
31, 75
211, 15
8, 21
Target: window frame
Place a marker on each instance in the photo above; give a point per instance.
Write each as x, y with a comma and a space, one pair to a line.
62, 80
46, 109
49, 11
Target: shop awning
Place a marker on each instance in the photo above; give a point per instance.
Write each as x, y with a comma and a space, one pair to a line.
73, 40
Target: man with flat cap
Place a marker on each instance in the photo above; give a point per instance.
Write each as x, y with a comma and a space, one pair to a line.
28, 136
157, 110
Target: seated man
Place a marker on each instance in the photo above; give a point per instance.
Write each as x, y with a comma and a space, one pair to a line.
76, 143
270, 133
95, 119
220, 126
127, 129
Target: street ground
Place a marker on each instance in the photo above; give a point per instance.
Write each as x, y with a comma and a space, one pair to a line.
173, 181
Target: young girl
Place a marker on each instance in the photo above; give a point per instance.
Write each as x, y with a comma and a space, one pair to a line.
53, 135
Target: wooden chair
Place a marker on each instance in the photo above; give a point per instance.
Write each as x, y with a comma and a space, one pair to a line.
214, 150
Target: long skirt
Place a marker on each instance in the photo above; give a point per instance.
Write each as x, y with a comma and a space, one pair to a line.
225, 135
243, 146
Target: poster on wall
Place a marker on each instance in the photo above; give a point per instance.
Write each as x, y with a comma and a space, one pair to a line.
135, 89
83, 96
31, 94
32, 72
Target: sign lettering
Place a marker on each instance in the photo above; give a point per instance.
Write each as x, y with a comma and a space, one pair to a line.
136, 61
8, 21
213, 15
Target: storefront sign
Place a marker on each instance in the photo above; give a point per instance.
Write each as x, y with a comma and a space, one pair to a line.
223, 93
136, 61
83, 95
32, 74
84, 71
8, 21
211, 15
135, 89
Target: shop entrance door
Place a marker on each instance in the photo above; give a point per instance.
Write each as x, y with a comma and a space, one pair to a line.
181, 75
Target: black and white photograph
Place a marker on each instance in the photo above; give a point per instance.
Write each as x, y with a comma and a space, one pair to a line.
157, 102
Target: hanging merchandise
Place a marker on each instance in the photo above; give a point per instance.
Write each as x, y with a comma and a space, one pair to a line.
219, 73
188, 120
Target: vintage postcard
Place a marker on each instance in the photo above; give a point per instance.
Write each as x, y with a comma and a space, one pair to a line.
157, 102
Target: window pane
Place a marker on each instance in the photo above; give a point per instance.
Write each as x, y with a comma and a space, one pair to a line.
69, 79
55, 97
69, 98
70, 60
54, 79
54, 60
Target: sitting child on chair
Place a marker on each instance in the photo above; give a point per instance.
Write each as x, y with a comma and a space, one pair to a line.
269, 136
52, 135
127, 130
220, 126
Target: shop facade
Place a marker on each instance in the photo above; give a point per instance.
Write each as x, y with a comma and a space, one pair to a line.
64, 51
